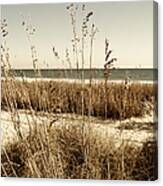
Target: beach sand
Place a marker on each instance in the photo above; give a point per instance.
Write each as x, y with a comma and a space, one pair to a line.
134, 130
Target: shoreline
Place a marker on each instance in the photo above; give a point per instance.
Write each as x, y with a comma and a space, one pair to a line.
86, 81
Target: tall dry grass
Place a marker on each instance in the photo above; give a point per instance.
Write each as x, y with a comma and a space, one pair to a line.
60, 153
68, 151
122, 102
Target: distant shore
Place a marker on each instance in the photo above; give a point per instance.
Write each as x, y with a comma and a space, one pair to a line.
85, 80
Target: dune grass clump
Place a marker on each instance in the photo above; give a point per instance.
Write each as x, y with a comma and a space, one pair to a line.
62, 153
122, 102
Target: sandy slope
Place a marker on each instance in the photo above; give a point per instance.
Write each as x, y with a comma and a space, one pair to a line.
134, 130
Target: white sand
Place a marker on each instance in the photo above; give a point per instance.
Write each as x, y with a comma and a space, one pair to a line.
105, 129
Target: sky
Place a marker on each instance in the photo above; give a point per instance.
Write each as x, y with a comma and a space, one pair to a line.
127, 25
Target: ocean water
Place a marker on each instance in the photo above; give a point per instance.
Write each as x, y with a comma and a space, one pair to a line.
115, 74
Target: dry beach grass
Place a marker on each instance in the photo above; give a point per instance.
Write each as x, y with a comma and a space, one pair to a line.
75, 149
62, 152
122, 102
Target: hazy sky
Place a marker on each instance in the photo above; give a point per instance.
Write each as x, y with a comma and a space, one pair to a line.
128, 25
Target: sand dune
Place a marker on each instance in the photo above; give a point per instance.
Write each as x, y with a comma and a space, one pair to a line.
130, 130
